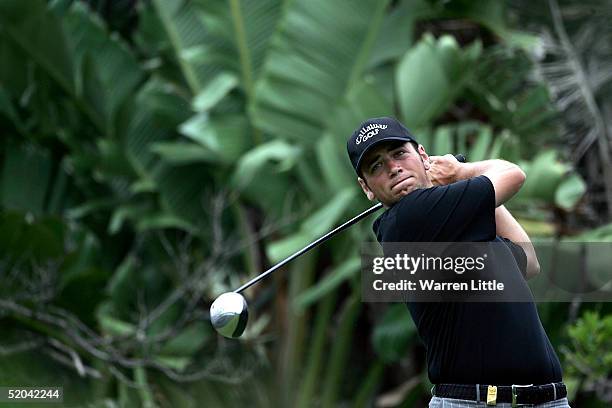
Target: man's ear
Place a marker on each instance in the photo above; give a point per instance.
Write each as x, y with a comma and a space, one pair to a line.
366, 189
424, 157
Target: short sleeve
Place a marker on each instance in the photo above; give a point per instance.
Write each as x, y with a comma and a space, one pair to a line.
461, 211
519, 255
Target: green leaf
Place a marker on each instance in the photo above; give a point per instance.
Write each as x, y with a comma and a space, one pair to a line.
543, 177
184, 153
167, 103
223, 136
480, 147
85, 255
313, 227
40, 34
396, 34
123, 284
86, 289
174, 363
463, 131
140, 130
334, 164
430, 76
15, 80
252, 23
123, 213
570, 191
36, 240
184, 30
281, 155
340, 350
188, 341
502, 147
168, 317
323, 219
363, 100
183, 192
6, 107
443, 142
306, 74
147, 35
117, 285
112, 326
214, 91
91, 207
334, 278
117, 68
112, 162
164, 221
394, 333
603, 234
26, 177
58, 190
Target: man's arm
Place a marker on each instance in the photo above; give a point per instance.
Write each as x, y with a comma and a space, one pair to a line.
508, 227
507, 178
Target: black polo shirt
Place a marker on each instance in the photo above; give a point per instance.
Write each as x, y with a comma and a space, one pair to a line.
470, 342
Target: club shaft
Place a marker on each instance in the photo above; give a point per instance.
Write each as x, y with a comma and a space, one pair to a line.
322, 239
313, 244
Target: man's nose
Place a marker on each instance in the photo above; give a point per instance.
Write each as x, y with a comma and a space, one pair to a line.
393, 167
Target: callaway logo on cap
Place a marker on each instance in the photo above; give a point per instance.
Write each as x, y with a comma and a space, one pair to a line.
372, 132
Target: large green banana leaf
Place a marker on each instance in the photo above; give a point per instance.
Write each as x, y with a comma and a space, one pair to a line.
430, 76
98, 82
320, 49
25, 179
211, 37
41, 35
116, 67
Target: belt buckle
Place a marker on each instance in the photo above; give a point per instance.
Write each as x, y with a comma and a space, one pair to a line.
514, 387
492, 395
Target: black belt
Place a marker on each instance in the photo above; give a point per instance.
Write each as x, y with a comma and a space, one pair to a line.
515, 394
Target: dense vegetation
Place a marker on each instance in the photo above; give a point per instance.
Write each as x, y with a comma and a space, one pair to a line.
154, 154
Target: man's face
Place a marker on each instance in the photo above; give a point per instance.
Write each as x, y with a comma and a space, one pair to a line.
392, 170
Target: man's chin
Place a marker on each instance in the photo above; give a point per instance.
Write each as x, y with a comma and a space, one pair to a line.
404, 192
398, 196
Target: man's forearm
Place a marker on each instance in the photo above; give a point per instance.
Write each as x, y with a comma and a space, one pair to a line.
475, 169
507, 178
508, 227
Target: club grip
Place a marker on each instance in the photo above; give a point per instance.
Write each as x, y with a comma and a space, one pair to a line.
460, 157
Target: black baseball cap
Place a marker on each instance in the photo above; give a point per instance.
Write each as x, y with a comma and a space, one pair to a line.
372, 132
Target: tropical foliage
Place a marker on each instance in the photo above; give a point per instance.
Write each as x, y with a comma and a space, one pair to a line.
155, 154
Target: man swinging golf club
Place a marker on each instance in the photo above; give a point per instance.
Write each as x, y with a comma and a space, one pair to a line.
493, 353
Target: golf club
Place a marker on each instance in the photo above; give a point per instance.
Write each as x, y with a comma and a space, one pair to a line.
229, 312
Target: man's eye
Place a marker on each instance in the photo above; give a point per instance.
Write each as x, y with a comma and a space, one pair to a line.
399, 153
375, 167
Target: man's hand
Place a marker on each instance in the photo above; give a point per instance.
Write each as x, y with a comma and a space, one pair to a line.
443, 169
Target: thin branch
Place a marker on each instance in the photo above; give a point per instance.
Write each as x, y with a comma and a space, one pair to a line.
6, 350
74, 361
87, 371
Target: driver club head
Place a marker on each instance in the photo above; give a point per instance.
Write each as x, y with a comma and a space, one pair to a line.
229, 314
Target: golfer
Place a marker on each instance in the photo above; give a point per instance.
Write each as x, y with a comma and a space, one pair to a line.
478, 353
